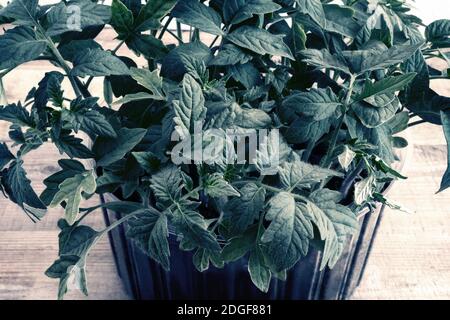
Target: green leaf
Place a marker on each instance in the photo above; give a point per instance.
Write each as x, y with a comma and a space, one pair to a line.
260, 274
24, 12
287, 237
334, 221
230, 55
316, 103
148, 161
190, 108
150, 15
75, 240
70, 168
193, 227
238, 246
19, 190
438, 30
386, 85
314, 9
237, 11
71, 145
98, 63
94, 123
5, 156
445, 183
122, 19
340, 19
149, 80
260, 41
324, 59
70, 192
150, 231
298, 174
19, 45
382, 166
392, 56
364, 190
60, 18
147, 45
241, 212
166, 184
137, 97
216, 186
49, 89
66, 268
346, 157
70, 50
197, 15
16, 114
109, 150
383, 108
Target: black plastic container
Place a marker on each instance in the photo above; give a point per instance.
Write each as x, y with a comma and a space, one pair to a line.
144, 279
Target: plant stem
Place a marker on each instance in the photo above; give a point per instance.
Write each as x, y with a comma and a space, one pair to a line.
164, 29
350, 178
412, 124
175, 36
439, 77
328, 158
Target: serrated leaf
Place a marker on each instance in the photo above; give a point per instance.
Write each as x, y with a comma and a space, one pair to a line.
346, 157
193, 227
324, 59
316, 103
70, 192
287, 237
216, 186
314, 9
238, 246
364, 190
122, 19
70, 50
60, 18
98, 63
19, 190
16, 114
150, 15
148, 46
166, 184
243, 211
260, 41
230, 55
71, 145
237, 11
386, 85
94, 123
24, 12
392, 56
197, 15
334, 221
190, 108
149, 80
5, 156
260, 274
49, 89
445, 183
438, 30
19, 45
381, 109
109, 150
147, 160
150, 231
298, 174
70, 168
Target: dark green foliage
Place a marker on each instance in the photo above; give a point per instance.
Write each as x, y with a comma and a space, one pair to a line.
340, 82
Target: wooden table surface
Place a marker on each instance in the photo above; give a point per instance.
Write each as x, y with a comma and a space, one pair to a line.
410, 258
